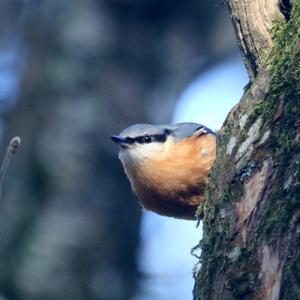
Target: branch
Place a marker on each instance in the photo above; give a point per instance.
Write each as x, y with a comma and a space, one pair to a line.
253, 21
11, 149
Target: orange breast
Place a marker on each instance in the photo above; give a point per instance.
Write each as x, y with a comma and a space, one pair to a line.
172, 183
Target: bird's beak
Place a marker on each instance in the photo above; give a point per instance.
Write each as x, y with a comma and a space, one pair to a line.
119, 140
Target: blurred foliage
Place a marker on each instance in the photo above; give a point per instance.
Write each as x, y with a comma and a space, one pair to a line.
69, 226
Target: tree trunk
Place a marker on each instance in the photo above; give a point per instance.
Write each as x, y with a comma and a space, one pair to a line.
250, 246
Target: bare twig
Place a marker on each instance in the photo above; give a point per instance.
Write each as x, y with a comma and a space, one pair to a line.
10, 151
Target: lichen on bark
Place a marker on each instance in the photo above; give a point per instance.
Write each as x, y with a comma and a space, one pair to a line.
252, 213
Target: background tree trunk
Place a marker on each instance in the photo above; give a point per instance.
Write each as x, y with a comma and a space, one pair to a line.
250, 246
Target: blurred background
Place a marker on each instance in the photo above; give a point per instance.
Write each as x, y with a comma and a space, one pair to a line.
72, 73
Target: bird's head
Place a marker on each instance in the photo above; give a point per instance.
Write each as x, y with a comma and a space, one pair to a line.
143, 141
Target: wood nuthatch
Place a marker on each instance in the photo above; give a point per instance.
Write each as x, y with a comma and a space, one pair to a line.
168, 165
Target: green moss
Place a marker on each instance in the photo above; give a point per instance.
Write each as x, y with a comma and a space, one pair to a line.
285, 71
281, 111
277, 220
258, 110
284, 63
216, 242
239, 284
292, 278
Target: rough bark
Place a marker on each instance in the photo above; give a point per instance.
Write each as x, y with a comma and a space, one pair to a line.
250, 245
253, 21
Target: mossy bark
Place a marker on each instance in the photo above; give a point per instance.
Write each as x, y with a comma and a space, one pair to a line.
250, 246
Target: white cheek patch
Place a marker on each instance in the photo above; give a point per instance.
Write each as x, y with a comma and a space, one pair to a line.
141, 152
147, 150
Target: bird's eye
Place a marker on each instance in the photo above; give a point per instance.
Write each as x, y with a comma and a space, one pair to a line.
147, 139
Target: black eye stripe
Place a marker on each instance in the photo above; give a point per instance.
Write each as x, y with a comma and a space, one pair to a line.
139, 139
130, 140
146, 139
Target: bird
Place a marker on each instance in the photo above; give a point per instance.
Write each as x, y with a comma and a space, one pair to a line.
168, 165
